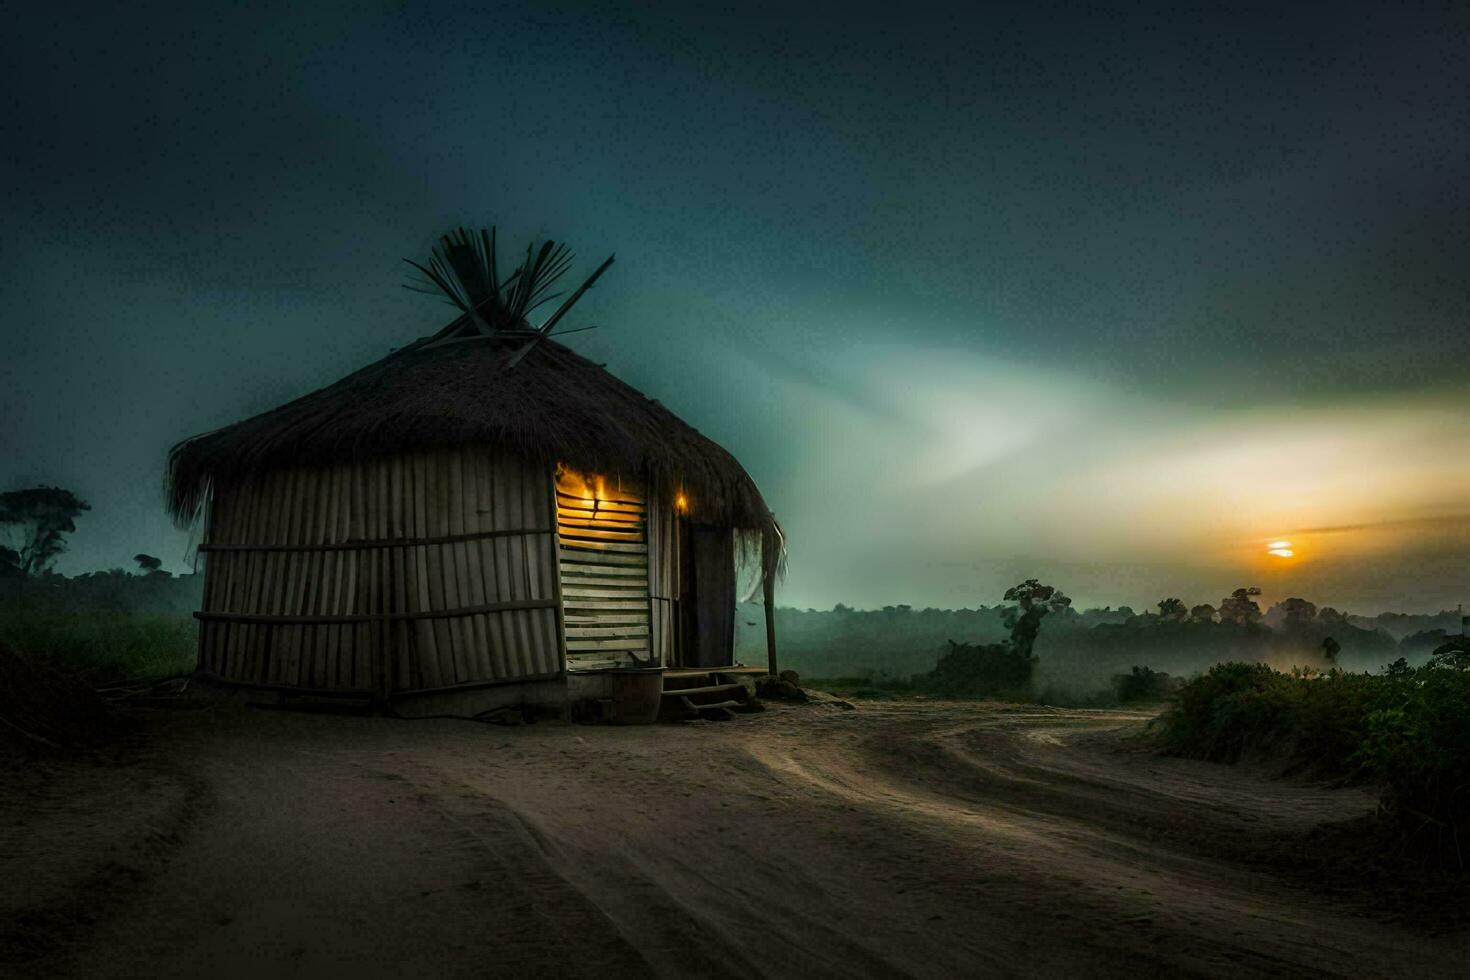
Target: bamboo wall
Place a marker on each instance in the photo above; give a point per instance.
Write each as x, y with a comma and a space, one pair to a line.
414, 572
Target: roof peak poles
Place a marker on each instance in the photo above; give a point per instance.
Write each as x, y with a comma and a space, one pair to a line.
463, 269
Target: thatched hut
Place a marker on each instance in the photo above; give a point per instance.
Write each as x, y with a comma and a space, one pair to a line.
468, 522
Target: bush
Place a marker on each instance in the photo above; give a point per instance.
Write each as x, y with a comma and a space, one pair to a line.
1418, 744
1142, 684
1408, 730
981, 671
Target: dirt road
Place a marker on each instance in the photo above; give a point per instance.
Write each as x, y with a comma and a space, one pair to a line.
896, 839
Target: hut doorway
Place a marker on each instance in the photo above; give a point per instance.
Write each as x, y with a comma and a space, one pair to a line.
603, 558
708, 611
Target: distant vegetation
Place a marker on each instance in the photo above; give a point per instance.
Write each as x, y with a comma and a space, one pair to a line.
105, 626
1080, 653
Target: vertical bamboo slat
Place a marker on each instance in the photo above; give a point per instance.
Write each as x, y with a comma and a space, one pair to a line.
208, 638
321, 667
247, 635
242, 505
372, 677
273, 579
332, 587
489, 514
246, 638
221, 573
347, 595
235, 639
357, 529
427, 639
474, 573
402, 655
270, 578
382, 645
455, 571
533, 514
482, 589
215, 579
434, 494
505, 517
290, 635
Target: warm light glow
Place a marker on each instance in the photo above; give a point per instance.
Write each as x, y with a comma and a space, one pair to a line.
681, 503
592, 488
1274, 545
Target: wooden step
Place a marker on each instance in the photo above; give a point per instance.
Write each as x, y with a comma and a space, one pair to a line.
705, 674
670, 692
720, 711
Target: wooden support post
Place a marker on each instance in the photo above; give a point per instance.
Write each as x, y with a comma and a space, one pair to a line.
769, 588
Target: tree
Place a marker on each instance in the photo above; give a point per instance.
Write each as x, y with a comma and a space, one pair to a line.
1331, 618
1173, 610
1033, 602
35, 521
1454, 655
1202, 613
1238, 607
147, 564
1296, 613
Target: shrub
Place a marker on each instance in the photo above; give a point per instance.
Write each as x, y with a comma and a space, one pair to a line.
1408, 730
1418, 744
1142, 684
981, 671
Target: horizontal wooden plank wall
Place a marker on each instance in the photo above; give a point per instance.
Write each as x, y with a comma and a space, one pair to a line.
604, 572
412, 572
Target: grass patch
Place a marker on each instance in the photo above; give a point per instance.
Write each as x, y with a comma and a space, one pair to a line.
866, 686
106, 646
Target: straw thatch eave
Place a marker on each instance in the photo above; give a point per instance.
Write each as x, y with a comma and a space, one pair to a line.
552, 406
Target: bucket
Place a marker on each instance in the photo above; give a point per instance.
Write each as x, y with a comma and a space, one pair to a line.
636, 692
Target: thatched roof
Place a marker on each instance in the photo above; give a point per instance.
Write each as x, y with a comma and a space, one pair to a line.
553, 406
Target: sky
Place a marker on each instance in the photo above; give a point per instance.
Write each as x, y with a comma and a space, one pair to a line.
1115, 296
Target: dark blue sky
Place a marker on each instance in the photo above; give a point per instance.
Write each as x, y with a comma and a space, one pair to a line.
948, 283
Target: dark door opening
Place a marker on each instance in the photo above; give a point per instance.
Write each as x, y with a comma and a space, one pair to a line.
707, 612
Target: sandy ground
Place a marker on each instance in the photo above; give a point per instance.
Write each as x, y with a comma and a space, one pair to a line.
897, 839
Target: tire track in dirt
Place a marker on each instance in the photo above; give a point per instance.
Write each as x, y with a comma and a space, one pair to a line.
120, 820
1009, 790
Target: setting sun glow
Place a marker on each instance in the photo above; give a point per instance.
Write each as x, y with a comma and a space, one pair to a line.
1281, 549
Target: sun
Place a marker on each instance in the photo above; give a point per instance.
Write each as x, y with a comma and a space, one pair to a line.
1281, 549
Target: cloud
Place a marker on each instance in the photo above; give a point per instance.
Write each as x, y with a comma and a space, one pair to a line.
1406, 524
